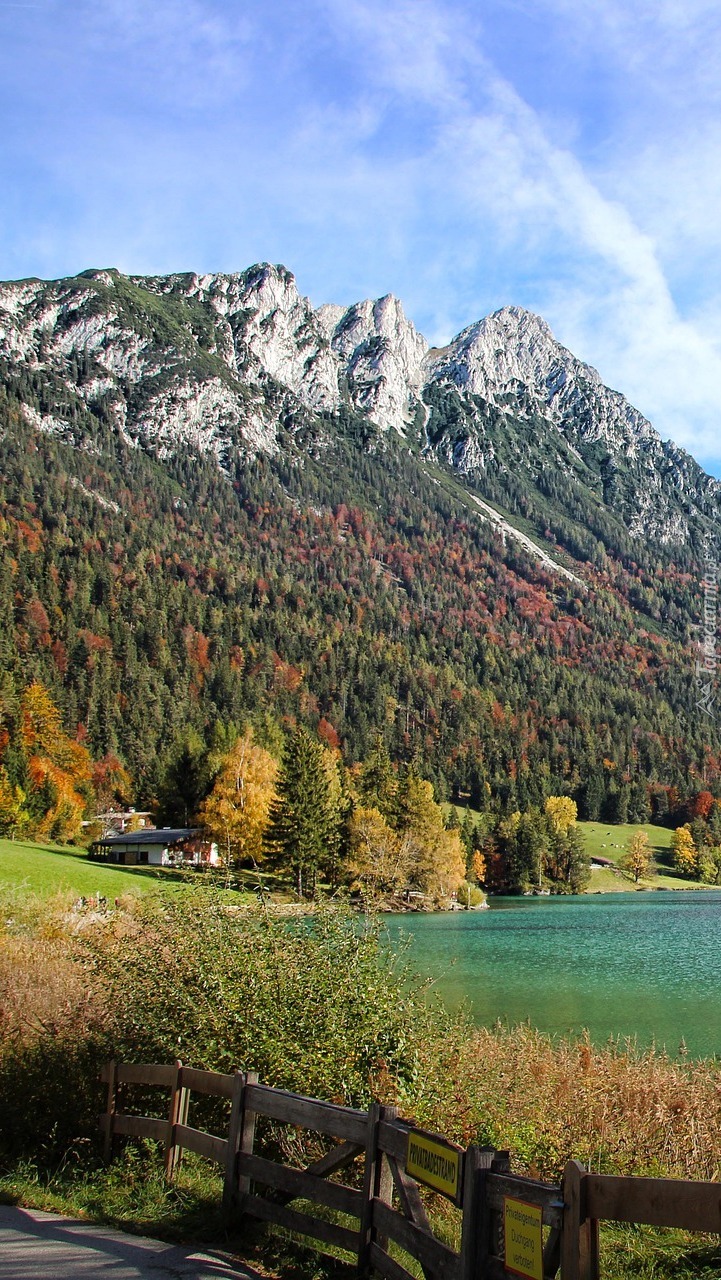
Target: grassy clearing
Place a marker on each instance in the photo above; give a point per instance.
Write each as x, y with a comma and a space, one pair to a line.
47, 869
606, 841
611, 842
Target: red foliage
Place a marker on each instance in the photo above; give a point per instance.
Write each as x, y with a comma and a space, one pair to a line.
327, 733
700, 805
60, 656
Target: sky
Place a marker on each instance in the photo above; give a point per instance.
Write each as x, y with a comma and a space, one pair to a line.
559, 155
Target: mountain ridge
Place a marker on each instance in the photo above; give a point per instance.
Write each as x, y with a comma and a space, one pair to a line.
247, 327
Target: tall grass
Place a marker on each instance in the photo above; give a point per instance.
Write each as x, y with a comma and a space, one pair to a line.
617, 1108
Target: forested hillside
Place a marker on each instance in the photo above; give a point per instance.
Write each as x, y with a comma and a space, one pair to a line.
344, 579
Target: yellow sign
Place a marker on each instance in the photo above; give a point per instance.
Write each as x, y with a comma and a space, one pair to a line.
523, 1238
434, 1163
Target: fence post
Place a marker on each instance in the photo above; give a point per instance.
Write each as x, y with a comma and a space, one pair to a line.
384, 1175
177, 1114
246, 1139
110, 1109
230, 1195
476, 1223
579, 1240
377, 1183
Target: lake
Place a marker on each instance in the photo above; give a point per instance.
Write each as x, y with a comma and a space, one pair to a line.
644, 965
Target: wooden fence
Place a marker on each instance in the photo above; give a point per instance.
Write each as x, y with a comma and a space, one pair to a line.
509, 1225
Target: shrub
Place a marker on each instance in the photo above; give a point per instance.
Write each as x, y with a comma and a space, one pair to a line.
314, 1004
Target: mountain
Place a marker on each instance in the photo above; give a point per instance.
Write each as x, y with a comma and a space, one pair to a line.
219, 501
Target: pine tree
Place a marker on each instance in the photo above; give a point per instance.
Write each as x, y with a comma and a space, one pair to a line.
302, 822
594, 796
378, 785
185, 780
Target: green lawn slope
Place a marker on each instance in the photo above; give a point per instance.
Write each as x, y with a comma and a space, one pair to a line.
606, 841
45, 869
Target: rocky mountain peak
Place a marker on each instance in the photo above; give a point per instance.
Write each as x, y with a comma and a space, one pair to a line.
213, 360
382, 353
513, 353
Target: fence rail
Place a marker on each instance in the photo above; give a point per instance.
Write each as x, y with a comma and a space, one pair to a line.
510, 1225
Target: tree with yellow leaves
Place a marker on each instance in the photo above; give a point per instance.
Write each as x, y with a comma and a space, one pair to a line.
436, 857
685, 855
59, 769
14, 817
562, 812
478, 866
637, 858
236, 811
378, 860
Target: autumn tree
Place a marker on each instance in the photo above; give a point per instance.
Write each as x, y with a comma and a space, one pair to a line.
562, 812
14, 817
378, 859
59, 769
637, 858
436, 857
112, 783
478, 867
237, 810
684, 852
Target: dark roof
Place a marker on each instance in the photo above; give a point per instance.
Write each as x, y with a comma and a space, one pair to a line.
153, 835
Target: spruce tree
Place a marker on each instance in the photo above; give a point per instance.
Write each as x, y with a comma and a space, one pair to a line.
302, 822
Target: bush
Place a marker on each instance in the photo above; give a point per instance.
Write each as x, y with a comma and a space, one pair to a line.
314, 1004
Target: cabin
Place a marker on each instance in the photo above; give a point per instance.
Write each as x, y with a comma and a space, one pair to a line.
158, 847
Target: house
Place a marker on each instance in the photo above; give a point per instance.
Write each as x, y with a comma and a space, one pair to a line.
117, 821
158, 847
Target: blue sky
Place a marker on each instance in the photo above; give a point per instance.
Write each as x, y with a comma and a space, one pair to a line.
562, 155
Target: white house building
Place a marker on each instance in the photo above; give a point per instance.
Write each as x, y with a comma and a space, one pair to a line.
158, 847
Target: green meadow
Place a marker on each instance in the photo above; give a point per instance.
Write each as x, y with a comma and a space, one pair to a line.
46, 869
606, 841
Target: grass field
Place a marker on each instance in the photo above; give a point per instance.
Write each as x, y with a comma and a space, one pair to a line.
45, 869
607, 841
611, 841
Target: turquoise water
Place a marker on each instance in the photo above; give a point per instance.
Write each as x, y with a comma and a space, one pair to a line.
643, 965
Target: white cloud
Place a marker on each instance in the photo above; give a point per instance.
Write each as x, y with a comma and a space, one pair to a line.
374, 145
611, 299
